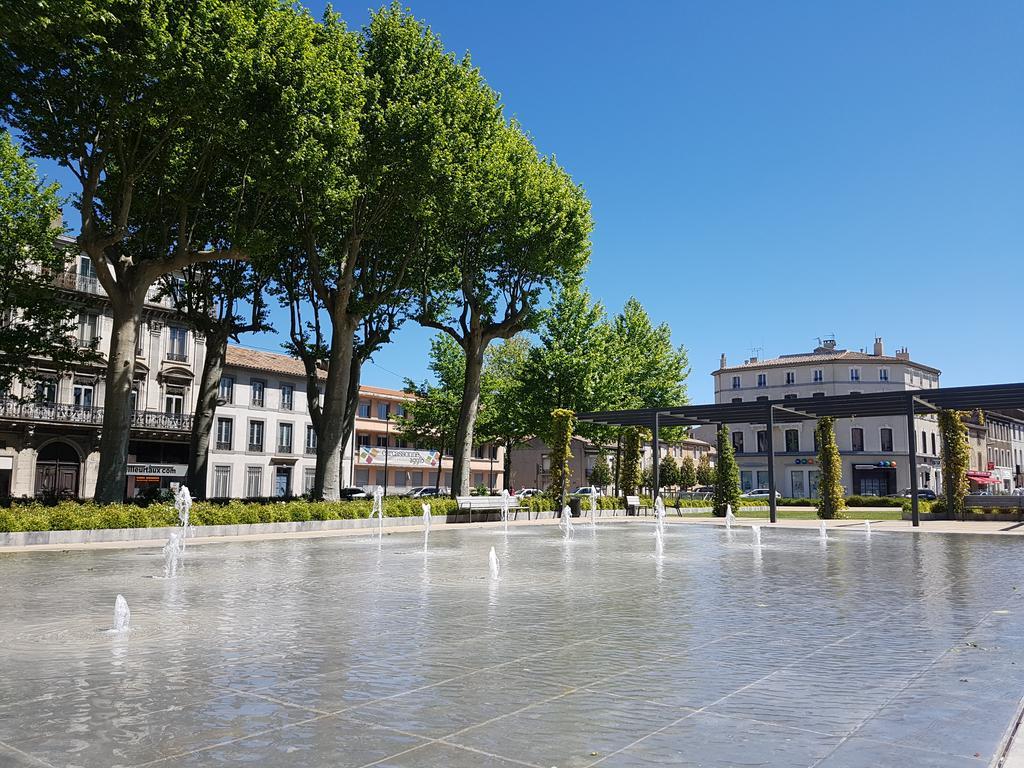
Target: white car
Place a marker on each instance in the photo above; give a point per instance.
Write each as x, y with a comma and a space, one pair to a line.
760, 493
586, 490
525, 493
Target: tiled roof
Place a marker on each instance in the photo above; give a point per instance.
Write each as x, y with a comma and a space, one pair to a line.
843, 355
272, 362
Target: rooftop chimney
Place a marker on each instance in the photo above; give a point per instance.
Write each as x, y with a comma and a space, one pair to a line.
902, 354
879, 349
721, 362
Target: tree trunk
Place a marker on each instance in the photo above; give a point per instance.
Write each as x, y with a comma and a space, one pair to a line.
206, 409
351, 409
467, 415
117, 395
330, 444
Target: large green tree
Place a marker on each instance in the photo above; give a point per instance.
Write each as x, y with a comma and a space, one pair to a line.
33, 327
154, 107
705, 472
727, 475
687, 473
645, 369
956, 459
513, 227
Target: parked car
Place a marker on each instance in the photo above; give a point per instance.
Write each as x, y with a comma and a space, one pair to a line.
922, 493
586, 490
525, 493
424, 492
704, 489
759, 493
348, 494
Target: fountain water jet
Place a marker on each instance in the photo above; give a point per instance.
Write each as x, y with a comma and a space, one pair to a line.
730, 518
122, 616
566, 523
505, 500
822, 531
756, 530
492, 560
172, 554
378, 510
183, 506
659, 541
867, 527
593, 508
426, 525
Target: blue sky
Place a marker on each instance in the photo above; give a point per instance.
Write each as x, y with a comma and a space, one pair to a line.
763, 174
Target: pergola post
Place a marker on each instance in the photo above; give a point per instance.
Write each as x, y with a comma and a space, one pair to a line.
915, 513
772, 506
656, 469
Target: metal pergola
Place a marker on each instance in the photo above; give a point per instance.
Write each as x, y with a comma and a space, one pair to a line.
909, 403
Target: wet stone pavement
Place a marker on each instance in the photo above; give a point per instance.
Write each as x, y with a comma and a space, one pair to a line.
881, 650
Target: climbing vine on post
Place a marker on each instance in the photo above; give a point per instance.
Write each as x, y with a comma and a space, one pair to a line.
830, 489
727, 475
956, 457
563, 422
630, 475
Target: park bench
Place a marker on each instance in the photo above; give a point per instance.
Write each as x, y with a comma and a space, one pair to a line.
633, 506
489, 507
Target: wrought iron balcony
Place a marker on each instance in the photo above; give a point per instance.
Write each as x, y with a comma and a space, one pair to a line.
62, 413
284, 448
310, 450
255, 447
178, 357
223, 445
72, 281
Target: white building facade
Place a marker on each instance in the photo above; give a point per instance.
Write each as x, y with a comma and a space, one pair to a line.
874, 450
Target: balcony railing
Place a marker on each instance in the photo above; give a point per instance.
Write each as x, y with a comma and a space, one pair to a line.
72, 281
80, 414
310, 450
255, 447
223, 446
284, 448
178, 357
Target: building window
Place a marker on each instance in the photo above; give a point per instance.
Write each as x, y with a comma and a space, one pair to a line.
401, 479
364, 409
87, 325
227, 389
177, 349
855, 374
135, 397
762, 478
790, 377
382, 441
792, 441
253, 482
883, 374
308, 480
257, 393
816, 442
762, 379
310, 439
174, 399
762, 441
138, 339
363, 440
81, 395
746, 480
796, 483
225, 429
221, 481
737, 442
399, 410
284, 437
934, 452
287, 397
362, 477
256, 436
383, 411
857, 439
46, 391
813, 481
819, 374
478, 480
735, 382
886, 437
923, 448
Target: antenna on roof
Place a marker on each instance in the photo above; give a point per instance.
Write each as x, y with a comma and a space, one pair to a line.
756, 352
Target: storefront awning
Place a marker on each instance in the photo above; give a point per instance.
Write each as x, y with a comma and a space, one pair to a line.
982, 479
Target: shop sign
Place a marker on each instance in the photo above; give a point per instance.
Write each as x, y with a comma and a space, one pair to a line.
158, 470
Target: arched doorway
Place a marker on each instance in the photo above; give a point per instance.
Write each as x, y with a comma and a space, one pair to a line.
57, 470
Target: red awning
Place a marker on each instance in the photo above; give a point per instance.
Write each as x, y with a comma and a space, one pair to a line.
982, 479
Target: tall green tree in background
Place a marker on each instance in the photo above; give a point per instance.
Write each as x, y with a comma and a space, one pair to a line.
705, 472
645, 369
956, 459
668, 472
33, 326
600, 475
830, 488
501, 418
687, 473
131, 98
629, 476
727, 475
514, 226
563, 424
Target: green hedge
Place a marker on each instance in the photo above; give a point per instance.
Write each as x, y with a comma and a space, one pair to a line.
72, 515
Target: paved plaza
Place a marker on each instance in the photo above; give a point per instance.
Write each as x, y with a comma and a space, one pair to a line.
345, 651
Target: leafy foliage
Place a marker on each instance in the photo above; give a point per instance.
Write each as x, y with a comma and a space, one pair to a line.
563, 422
956, 458
727, 475
33, 325
600, 474
830, 488
705, 472
668, 472
687, 473
629, 475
